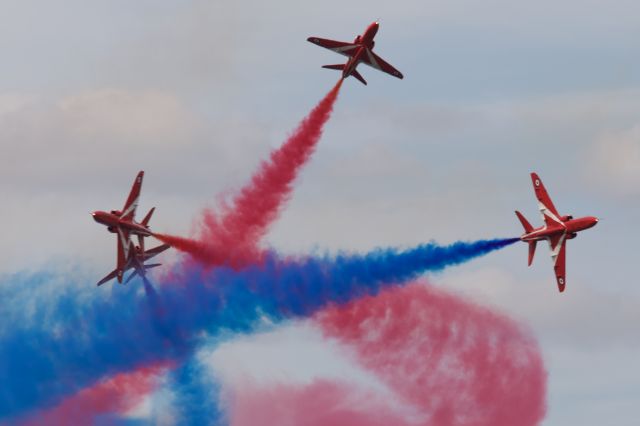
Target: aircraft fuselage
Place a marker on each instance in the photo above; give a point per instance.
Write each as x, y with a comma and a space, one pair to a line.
569, 226
365, 41
113, 221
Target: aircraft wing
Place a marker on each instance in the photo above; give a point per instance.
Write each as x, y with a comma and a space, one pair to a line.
129, 209
380, 64
109, 277
155, 251
341, 47
547, 209
559, 266
140, 267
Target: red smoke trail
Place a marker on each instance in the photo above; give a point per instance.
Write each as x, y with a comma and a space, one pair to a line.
117, 394
319, 404
453, 362
233, 237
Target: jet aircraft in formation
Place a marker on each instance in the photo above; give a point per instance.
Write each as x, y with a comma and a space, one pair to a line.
557, 229
123, 224
360, 51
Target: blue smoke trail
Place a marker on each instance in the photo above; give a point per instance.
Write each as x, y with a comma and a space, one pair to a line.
68, 339
195, 397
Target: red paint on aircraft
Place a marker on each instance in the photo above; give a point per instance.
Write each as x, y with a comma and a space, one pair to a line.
358, 52
123, 224
557, 229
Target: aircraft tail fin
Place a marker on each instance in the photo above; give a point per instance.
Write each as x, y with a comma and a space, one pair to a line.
147, 218
357, 75
527, 228
338, 67
525, 223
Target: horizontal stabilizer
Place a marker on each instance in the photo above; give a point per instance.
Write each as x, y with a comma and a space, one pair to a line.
155, 251
133, 274
146, 268
357, 75
525, 223
339, 67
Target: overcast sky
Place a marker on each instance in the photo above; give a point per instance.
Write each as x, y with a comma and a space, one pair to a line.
196, 93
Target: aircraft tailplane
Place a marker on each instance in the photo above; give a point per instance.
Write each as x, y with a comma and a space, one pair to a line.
525, 223
338, 67
146, 268
133, 274
357, 75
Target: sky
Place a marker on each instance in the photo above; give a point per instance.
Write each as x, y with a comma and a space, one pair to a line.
196, 93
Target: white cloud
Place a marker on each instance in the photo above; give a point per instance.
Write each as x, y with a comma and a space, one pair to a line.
615, 161
295, 355
124, 117
13, 102
588, 335
584, 317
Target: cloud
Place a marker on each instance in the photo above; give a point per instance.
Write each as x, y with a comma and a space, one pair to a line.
588, 334
293, 357
616, 158
88, 132
123, 117
287, 355
13, 102
560, 320
64, 157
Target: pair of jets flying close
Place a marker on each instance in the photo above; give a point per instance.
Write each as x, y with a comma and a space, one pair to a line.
557, 229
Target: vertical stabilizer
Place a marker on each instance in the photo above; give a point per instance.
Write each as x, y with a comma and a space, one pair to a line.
147, 218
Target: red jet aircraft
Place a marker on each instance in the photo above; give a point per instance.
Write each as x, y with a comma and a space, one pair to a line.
360, 51
122, 222
556, 230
